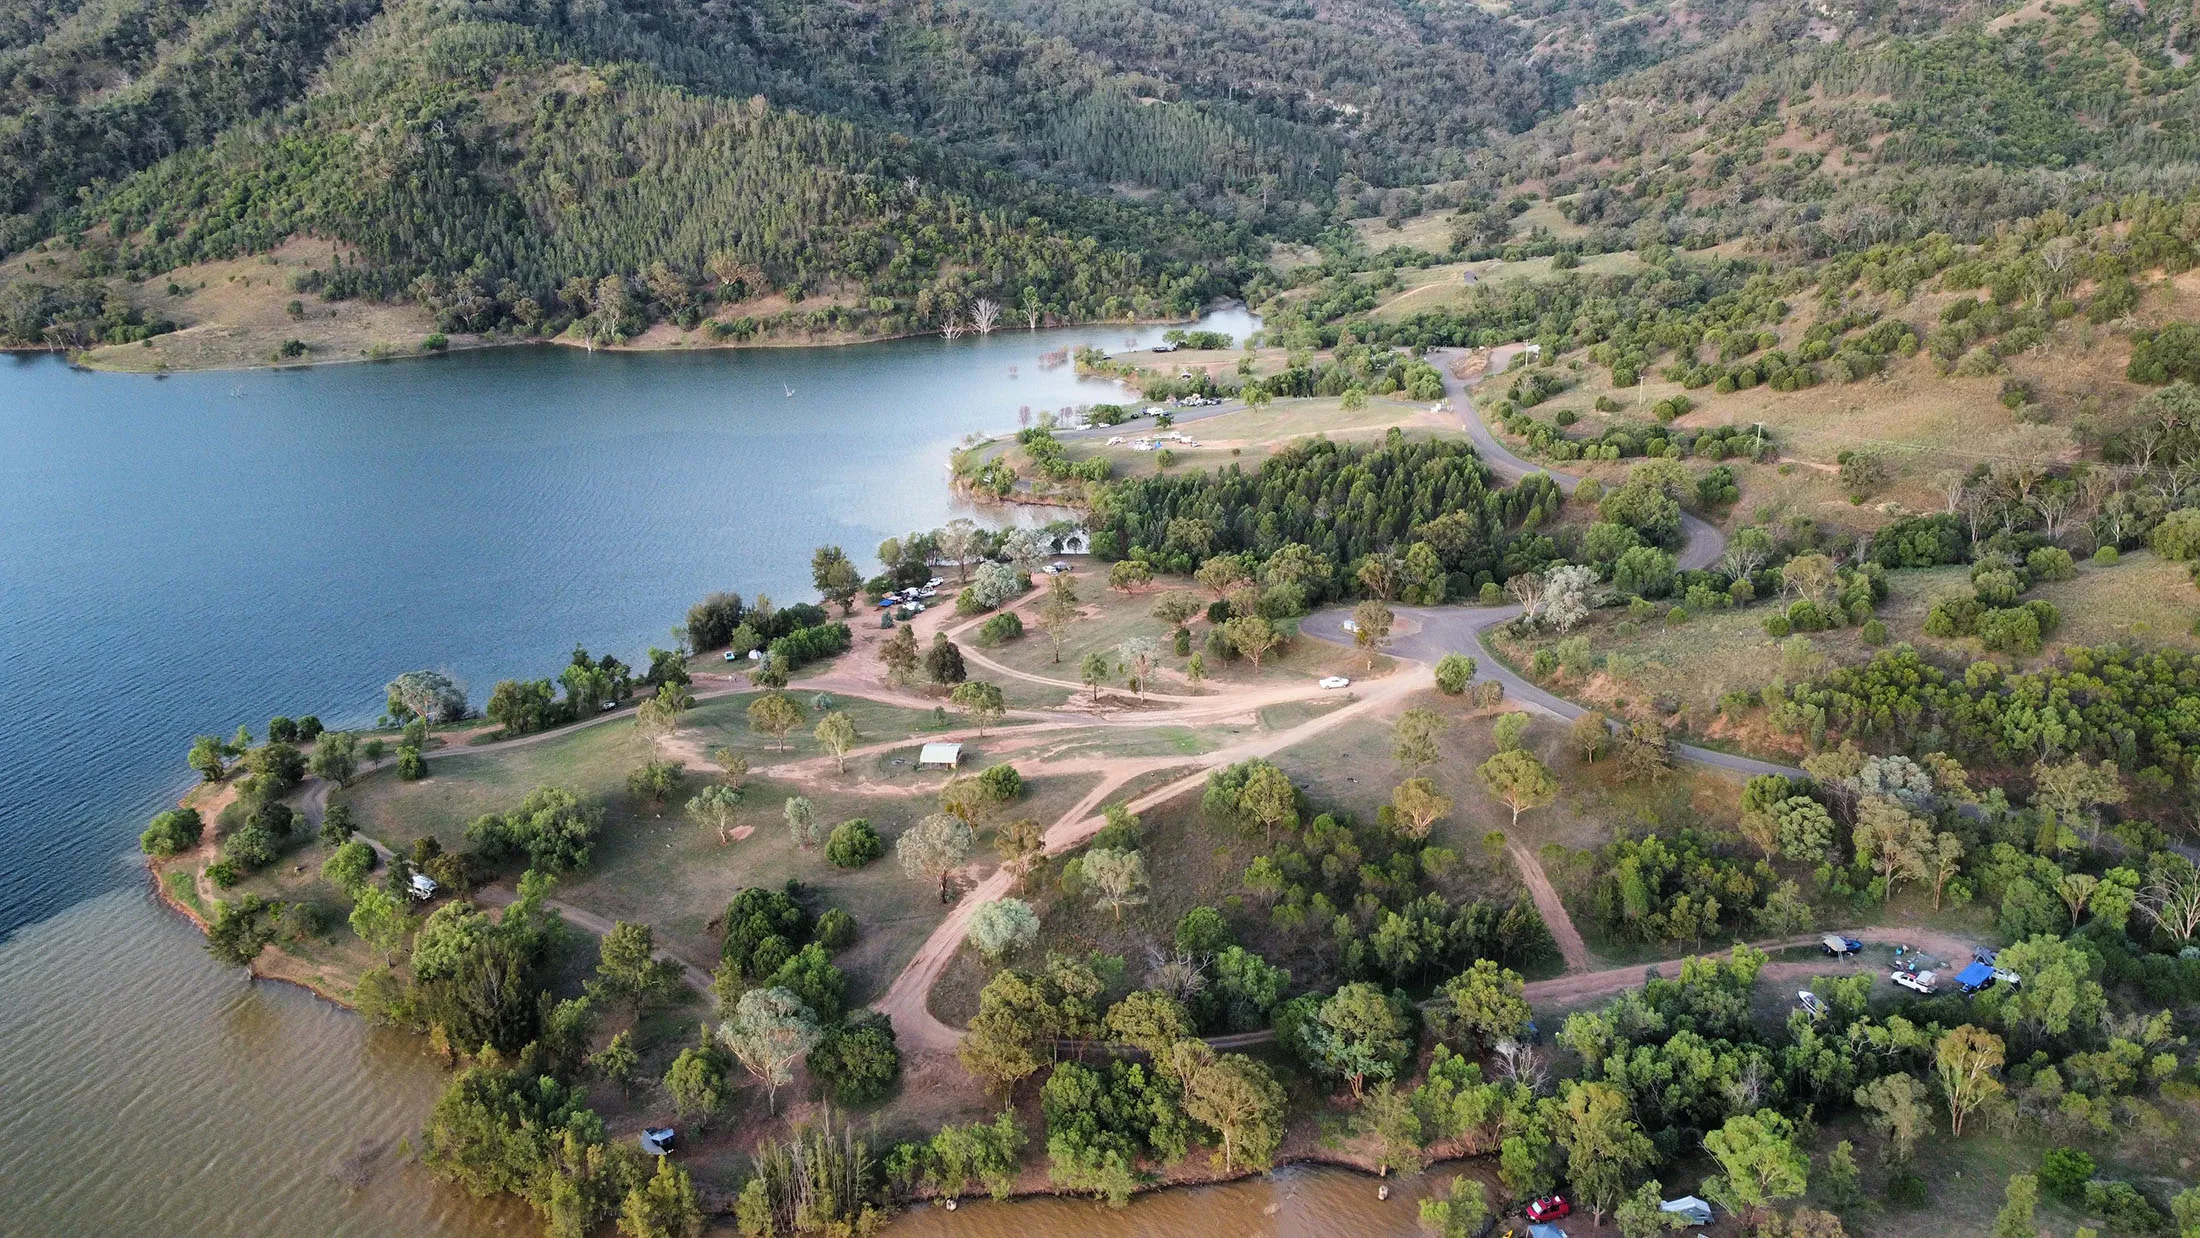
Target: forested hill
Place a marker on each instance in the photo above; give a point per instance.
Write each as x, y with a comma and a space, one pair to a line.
514, 166
874, 166
1823, 129
880, 166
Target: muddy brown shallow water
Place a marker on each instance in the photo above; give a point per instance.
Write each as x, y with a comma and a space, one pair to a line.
1297, 1201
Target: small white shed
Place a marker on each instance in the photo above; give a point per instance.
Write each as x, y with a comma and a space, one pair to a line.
1696, 1211
940, 756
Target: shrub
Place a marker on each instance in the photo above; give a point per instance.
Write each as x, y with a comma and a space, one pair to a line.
1002, 927
411, 766
2123, 1207
2064, 1173
1863, 473
1002, 783
2177, 538
1202, 931
2015, 630
2050, 563
1906, 1190
853, 844
836, 930
2106, 556
1804, 615
1006, 626
2159, 357
944, 661
250, 848
858, 1061
803, 646
1953, 617
1644, 570
1454, 671
172, 832
1776, 626
1874, 633
1996, 586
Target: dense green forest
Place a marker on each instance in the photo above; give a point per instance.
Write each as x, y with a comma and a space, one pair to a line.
880, 166
889, 162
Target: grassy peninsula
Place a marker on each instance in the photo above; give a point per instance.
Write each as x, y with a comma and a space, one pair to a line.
1220, 882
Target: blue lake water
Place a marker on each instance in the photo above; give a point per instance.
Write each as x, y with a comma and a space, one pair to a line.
182, 555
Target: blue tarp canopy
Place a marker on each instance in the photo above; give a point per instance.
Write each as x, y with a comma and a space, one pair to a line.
1976, 976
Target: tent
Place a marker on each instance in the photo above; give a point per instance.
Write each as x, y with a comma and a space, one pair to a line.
1697, 1211
1975, 977
1545, 1231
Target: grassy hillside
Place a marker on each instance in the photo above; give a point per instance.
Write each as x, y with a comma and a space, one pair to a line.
862, 168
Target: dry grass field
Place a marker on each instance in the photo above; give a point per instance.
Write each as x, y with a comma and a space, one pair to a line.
236, 313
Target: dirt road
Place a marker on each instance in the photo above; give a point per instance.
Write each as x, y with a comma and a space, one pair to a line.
1704, 545
1459, 629
905, 1002
1570, 945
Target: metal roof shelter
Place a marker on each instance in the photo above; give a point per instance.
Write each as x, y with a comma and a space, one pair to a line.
1695, 1210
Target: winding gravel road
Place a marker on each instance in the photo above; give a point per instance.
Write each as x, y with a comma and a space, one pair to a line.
1459, 629
1705, 544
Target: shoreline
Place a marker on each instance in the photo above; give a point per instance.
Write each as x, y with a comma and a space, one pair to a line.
79, 359
158, 875
1031, 1184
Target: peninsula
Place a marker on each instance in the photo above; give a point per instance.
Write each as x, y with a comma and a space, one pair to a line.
1321, 790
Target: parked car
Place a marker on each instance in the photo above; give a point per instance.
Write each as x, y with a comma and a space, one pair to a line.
1811, 1003
1336, 681
1351, 625
1918, 981
1838, 946
935, 582
1549, 1208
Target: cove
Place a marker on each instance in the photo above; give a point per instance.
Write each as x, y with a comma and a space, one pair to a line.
181, 555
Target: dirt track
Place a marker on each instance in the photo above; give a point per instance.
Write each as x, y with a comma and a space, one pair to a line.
905, 1002
1570, 945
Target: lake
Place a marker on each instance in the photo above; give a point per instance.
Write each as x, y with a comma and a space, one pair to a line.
185, 554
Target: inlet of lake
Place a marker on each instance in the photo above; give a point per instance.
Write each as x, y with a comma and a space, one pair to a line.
181, 555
